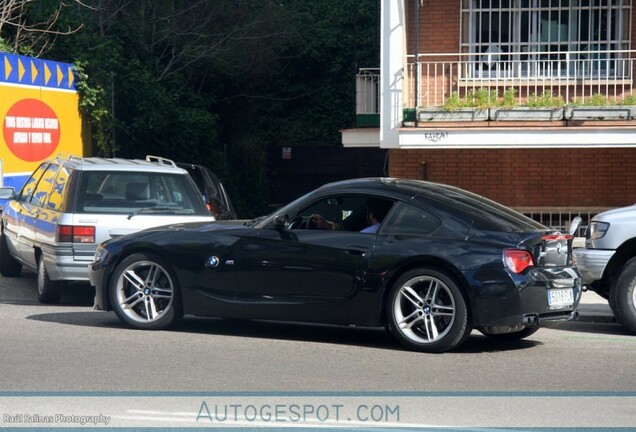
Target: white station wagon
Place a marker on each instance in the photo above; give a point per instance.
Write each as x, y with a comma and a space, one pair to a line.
69, 205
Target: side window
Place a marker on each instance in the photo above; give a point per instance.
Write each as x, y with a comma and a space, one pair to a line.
408, 219
348, 212
31, 183
56, 197
344, 212
44, 186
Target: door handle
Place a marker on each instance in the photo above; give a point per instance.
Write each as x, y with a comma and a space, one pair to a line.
356, 251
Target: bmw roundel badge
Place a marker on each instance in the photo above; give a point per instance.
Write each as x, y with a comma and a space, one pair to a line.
212, 262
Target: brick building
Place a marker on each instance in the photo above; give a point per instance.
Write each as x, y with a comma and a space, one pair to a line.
545, 88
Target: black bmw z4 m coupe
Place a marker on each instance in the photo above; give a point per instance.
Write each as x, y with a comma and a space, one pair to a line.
429, 261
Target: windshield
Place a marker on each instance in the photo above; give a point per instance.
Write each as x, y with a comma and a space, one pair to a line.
291, 208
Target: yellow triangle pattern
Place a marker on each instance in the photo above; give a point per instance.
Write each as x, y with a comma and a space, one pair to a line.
31, 72
47, 74
60, 75
71, 77
21, 70
7, 68
34, 72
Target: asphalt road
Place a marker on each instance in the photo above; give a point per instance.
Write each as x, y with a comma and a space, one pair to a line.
69, 350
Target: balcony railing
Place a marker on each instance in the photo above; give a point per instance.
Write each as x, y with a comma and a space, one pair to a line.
574, 76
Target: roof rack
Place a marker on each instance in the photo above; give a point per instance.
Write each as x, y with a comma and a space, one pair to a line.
160, 160
68, 156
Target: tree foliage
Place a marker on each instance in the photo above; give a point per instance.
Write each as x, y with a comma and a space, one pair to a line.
216, 82
32, 26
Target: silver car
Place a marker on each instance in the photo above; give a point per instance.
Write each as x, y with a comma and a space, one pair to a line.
608, 261
69, 205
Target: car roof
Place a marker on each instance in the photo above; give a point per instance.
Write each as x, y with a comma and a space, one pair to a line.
453, 201
188, 166
404, 187
151, 164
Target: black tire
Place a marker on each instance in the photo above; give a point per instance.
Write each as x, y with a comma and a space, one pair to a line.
49, 291
512, 336
9, 266
623, 296
147, 284
427, 311
612, 305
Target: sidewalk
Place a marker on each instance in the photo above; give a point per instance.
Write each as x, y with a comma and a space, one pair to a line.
594, 308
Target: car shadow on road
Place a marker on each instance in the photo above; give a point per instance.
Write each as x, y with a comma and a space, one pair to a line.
358, 336
355, 336
24, 292
602, 327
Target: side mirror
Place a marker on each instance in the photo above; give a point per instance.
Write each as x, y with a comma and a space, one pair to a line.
575, 224
281, 221
7, 192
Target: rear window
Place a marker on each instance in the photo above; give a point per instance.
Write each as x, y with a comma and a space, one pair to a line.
126, 192
487, 215
408, 219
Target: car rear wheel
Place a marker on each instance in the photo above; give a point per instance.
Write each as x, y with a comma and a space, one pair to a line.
48, 291
9, 266
144, 292
509, 335
623, 295
427, 311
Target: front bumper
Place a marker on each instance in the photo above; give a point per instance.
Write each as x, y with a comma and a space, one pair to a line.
592, 263
97, 278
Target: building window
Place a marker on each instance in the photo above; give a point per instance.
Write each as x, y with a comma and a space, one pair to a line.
547, 37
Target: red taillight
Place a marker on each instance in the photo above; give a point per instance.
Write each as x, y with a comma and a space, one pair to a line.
64, 233
518, 260
214, 209
75, 234
556, 237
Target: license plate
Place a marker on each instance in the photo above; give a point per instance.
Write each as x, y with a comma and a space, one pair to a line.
560, 298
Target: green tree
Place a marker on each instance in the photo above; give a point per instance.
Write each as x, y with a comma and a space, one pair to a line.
220, 82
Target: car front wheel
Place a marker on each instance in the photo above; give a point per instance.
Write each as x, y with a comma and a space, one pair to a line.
427, 311
48, 291
623, 296
144, 292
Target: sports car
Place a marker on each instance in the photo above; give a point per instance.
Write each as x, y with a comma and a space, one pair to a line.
444, 261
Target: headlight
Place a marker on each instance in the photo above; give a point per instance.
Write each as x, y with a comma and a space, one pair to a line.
101, 253
597, 230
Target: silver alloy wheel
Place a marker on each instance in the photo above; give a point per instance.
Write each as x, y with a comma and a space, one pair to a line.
424, 309
145, 291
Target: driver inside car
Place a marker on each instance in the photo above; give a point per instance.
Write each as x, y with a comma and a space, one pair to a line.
376, 210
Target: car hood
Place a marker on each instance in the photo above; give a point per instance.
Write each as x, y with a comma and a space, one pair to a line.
199, 226
618, 214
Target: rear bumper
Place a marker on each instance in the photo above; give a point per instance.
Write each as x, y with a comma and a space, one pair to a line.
505, 299
592, 263
61, 264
